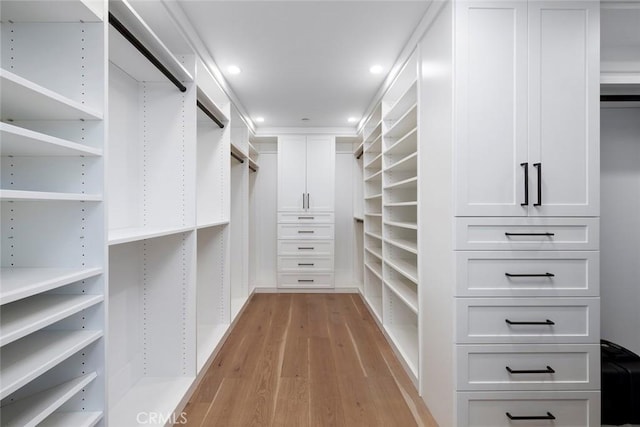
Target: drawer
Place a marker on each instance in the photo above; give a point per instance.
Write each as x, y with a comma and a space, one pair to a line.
305, 217
528, 367
524, 273
305, 263
527, 233
305, 247
568, 408
305, 280
302, 231
534, 320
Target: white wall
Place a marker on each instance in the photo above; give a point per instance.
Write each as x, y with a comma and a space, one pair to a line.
263, 243
344, 225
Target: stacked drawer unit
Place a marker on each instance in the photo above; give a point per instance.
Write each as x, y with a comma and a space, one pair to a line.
527, 333
305, 250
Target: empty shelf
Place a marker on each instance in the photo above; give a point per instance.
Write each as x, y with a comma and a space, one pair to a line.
407, 225
376, 268
407, 269
373, 234
404, 124
134, 234
75, 419
17, 141
375, 251
409, 183
36, 196
41, 11
404, 244
406, 101
404, 293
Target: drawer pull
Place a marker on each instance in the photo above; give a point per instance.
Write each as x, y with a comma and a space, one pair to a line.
306, 217
546, 322
529, 234
306, 264
549, 416
530, 275
305, 280
526, 184
305, 248
549, 370
305, 231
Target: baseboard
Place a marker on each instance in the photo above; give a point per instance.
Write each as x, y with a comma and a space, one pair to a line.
276, 290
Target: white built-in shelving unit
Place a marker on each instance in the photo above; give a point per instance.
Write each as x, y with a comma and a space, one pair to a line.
52, 280
358, 211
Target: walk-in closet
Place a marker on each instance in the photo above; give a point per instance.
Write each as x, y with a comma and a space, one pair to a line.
313, 213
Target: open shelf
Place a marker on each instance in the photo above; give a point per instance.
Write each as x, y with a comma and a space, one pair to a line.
404, 124
407, 184
406, 145
134, 234
159, 395
24, 360
17, 141
407, 225
374, 235
405, 164
31, 314
406, 101
33, 410
374, 196
405, 291
401, 204
25, 100
375, 267
213, 224
404, 244
209, 336
18, 283
374, 176
407, 269
405, 339
75, 419
374, 133
41, 11
377, 251
37, 196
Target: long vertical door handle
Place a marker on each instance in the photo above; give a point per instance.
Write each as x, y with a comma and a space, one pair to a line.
539, 167
526, 184
308, 201
302, 201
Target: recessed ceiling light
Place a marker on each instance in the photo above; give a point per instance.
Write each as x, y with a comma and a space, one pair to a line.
233, 69
376, 69
352, 119
259, 119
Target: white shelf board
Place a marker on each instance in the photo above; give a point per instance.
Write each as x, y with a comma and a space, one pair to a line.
134, 234
18, 283
408, 163
358, 218
26, 359
209, 336
213, 224
375, 267
404, 102
375, 196
404, 124
407, 225
31, 314
25, 100
402, 144
375, 132
32, 410
36, 196
375, 235
619, 78
375, 251
405, 268
405, 339
404, 293
374, 162
17, 141
72, 419
126, 56
375, 303
48, 11
373, 214
404, 244
373, 176
409, 183
160, 395
236, 305
400, 204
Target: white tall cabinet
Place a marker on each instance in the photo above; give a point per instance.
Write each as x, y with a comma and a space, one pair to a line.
306, 176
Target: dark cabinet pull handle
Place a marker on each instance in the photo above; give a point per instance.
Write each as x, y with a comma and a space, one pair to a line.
308, 264
303, 200
306, 217
549, 370
539, 167
529, 234
546, 322
526, 184
530, 275
308, 201
549, 416
305, 280
305, 231
305, 248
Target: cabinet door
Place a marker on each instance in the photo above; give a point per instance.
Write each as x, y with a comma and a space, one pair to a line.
321, 160
291, 173
491, 103
564, 107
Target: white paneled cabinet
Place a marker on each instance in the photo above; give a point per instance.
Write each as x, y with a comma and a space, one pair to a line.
527, 79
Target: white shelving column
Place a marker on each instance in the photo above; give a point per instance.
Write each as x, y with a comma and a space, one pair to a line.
152, 225
372, 176
358, 212
400, 215
52, 281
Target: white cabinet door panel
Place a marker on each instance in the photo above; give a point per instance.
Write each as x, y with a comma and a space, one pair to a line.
291, 173
321, 160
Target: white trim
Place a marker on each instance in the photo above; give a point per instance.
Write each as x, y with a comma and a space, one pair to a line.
341, 131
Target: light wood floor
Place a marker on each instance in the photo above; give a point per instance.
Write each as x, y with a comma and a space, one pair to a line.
306, 360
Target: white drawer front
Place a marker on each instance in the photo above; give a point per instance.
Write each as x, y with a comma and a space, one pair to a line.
535, 320
305, 280
305, 247
569, 409
305, 217
529, 367
305, 263
300, 231
527, 233
528, 273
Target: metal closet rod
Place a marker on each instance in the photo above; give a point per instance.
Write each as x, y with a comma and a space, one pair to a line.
235, 156
253, 169
620, 98
209, 114
144, 51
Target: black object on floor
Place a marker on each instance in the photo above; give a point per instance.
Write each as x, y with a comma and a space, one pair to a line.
620, 369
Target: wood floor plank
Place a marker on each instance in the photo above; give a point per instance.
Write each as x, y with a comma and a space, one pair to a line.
292, 403
324, 393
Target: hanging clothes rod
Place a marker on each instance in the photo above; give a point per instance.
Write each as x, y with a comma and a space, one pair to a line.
235, 156
253, 169
619, 98
209, 114
144, 51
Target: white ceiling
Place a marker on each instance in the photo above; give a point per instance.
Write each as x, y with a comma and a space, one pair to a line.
304, 58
